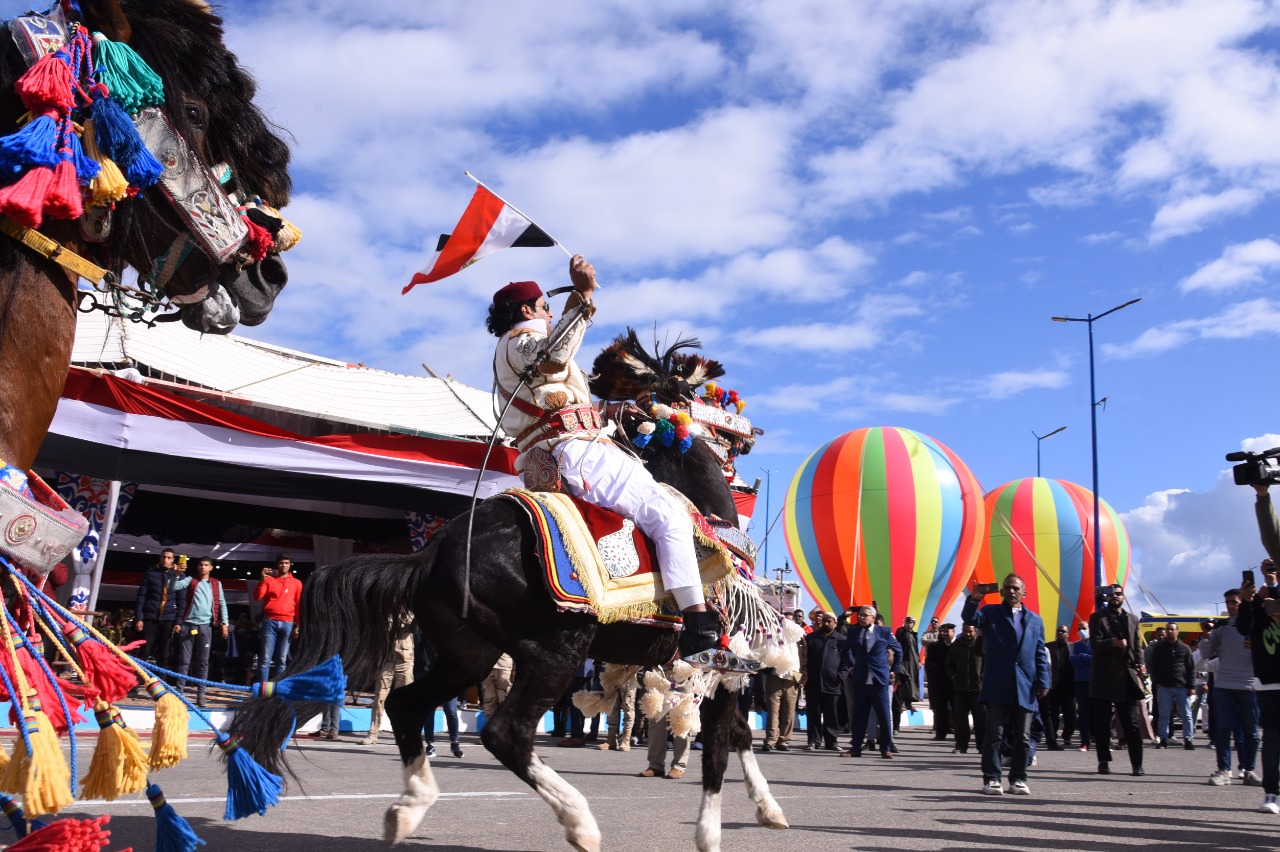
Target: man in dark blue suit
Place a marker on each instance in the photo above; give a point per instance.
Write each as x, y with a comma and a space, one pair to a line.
869, 675
1015, 676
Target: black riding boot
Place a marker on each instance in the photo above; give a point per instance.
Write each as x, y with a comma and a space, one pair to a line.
700, 645
701, 633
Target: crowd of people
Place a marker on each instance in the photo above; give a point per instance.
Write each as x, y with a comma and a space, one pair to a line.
1001, 686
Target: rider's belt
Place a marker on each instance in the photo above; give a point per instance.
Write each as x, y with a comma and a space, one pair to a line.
565, 423
523, 406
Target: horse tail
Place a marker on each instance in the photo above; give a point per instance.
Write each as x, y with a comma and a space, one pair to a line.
353, 609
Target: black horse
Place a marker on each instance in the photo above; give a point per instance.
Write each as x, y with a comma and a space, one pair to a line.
349, 609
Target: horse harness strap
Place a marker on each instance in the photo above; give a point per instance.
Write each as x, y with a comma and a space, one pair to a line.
55, 251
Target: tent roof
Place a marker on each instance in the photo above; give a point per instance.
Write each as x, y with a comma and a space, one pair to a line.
259, 374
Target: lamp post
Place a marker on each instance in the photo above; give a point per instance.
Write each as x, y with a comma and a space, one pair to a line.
768, 488
1040, 438
1098, 576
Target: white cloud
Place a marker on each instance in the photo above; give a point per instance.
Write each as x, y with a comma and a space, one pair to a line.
1105, 237
1189, 546
1238, 322
1242, 263
1012, 382
1188, 215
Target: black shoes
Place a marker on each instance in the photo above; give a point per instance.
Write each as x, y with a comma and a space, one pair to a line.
1104, 768
1139, 771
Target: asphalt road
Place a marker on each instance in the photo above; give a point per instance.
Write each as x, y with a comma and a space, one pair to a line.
926, 799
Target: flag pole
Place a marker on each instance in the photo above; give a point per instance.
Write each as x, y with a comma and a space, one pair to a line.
479, 182
521, 212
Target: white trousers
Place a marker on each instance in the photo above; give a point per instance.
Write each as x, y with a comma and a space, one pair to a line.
605, 476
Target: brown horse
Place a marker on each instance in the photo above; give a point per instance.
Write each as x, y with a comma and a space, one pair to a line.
208, 100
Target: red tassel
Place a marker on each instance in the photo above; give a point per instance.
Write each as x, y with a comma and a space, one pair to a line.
64, 200
75, 694
47, 84
260, 239
67, 835
24, 201
112, 676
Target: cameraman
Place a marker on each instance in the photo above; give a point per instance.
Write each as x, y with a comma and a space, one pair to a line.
1259, 620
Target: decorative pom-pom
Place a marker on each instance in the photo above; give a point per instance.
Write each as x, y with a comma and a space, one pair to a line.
36, 144
102, 667
326, 683
169, 735
47, 84
119, 140
41, 775
173, 833
129, 78
63, 200
67, 835
119, 764
109, 186
23, 202
250, 788
260, 240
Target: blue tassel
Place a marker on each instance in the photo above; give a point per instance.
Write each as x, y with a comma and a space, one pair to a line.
250, 788
326, 683
119, 140
36, 144
642, 441
17, 818
173, 833
686, 443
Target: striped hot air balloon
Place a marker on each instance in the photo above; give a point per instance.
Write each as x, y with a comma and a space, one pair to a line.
1042, 530
884, 514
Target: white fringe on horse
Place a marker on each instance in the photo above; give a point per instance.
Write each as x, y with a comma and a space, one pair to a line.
759, 632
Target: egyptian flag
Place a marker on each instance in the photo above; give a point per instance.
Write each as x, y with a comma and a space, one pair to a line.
488, 225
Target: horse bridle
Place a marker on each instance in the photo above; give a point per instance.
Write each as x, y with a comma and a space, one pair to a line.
211, 217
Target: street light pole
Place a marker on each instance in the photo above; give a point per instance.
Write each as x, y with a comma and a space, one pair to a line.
768, 490
1040, 438
1098, 575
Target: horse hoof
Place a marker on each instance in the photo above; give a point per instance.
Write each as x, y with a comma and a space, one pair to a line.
400, 822
772, 817
586, 844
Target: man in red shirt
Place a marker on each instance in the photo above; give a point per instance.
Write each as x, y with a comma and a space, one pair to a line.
280, 593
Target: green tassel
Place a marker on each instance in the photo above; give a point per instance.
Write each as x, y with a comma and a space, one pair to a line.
126, 75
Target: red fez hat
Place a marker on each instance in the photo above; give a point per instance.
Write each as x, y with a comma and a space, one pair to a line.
518, 291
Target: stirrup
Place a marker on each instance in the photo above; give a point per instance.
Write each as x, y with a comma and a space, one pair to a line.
722, 660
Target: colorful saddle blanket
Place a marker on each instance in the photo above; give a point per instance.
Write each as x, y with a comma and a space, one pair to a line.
597, 562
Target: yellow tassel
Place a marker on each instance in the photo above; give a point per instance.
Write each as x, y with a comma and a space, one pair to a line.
46, 789
4, 761
110, 185
169, 736
288, 235
119, 764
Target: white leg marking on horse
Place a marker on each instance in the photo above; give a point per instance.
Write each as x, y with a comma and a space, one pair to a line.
708, 837
768, 812
420, 793
571, 808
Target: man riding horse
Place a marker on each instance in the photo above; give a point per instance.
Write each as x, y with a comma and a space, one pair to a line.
564, 444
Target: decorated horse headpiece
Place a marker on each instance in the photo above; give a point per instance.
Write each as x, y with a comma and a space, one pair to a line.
94, 136
664, 388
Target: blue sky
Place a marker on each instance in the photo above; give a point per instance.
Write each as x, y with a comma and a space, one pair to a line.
868, 212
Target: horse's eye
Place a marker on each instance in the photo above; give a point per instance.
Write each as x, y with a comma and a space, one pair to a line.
194, 114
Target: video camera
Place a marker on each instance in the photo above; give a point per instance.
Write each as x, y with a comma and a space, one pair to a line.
1256, 468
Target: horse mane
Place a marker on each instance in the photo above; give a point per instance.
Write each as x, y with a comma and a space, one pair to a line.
626, 370
183, 42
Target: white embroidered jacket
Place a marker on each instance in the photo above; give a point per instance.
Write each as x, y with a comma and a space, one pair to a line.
557, 382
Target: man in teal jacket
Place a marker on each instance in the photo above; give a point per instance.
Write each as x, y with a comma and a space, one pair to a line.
1015, 677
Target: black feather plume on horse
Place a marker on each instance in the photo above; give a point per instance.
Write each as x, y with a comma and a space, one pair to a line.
626, 370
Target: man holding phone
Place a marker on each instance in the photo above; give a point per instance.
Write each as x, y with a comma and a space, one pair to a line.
280, 593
